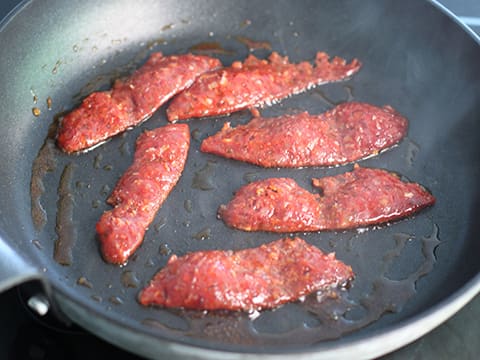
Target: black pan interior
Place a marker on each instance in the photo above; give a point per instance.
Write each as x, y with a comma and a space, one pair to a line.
415, 58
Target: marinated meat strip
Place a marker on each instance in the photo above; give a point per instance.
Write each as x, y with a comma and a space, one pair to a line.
349, 132
159, 159
362, 197
250, 279
255, 82
102, 115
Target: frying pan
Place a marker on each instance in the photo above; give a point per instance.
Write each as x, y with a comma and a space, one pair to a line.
411, 275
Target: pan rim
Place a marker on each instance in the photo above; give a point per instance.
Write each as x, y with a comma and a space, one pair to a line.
436, 314
456, 19
391, 338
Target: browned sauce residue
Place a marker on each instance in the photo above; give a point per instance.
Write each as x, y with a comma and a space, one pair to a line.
168, 27
44, 163
252, 44
204, 178
83, 281
65, 227
213, 47
129, 279
36, 111
245, 23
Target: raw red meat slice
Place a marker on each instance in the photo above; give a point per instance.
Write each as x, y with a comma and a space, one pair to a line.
349, 132
159, 160
255, 82
102, 115
250, 279
359, 198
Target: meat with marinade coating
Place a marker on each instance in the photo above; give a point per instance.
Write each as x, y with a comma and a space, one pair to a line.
354, 199
256, 82
251, 279
347, 133
104, 114
159, 159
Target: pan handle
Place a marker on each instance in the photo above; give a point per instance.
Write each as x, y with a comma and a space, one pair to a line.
13, 269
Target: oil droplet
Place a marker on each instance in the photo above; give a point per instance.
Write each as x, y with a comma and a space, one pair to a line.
429, 246
168, 27
35, 99
349, 91
124, 149
129, 279
56, 66
97, 161
37, 244
196, 134
83, 281
159, 225
116, 300
245, 23
150, 263
96, 298
188, 205
105, 190
81, 184
36, 111
412, 151
250, 176
319, 93
49, 103
164, 250
203, 234
203, 179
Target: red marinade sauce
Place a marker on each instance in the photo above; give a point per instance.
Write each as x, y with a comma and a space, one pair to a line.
159, 159
251, 279
358, 198
102, 115
347, 133
255, 82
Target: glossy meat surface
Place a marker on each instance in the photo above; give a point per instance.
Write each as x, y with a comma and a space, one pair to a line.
358, 198
250, 279
102, 115
255, 82
347, 133
159, 159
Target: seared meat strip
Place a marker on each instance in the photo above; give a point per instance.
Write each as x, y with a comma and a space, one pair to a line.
347, 133
354, 199
159, 159
255, 82
250, 279
102, 115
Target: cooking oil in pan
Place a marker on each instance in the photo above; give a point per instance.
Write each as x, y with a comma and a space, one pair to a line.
65, 225
323, 316
317, 317
129, 279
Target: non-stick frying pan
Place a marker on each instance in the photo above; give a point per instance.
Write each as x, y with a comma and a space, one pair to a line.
411, 275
